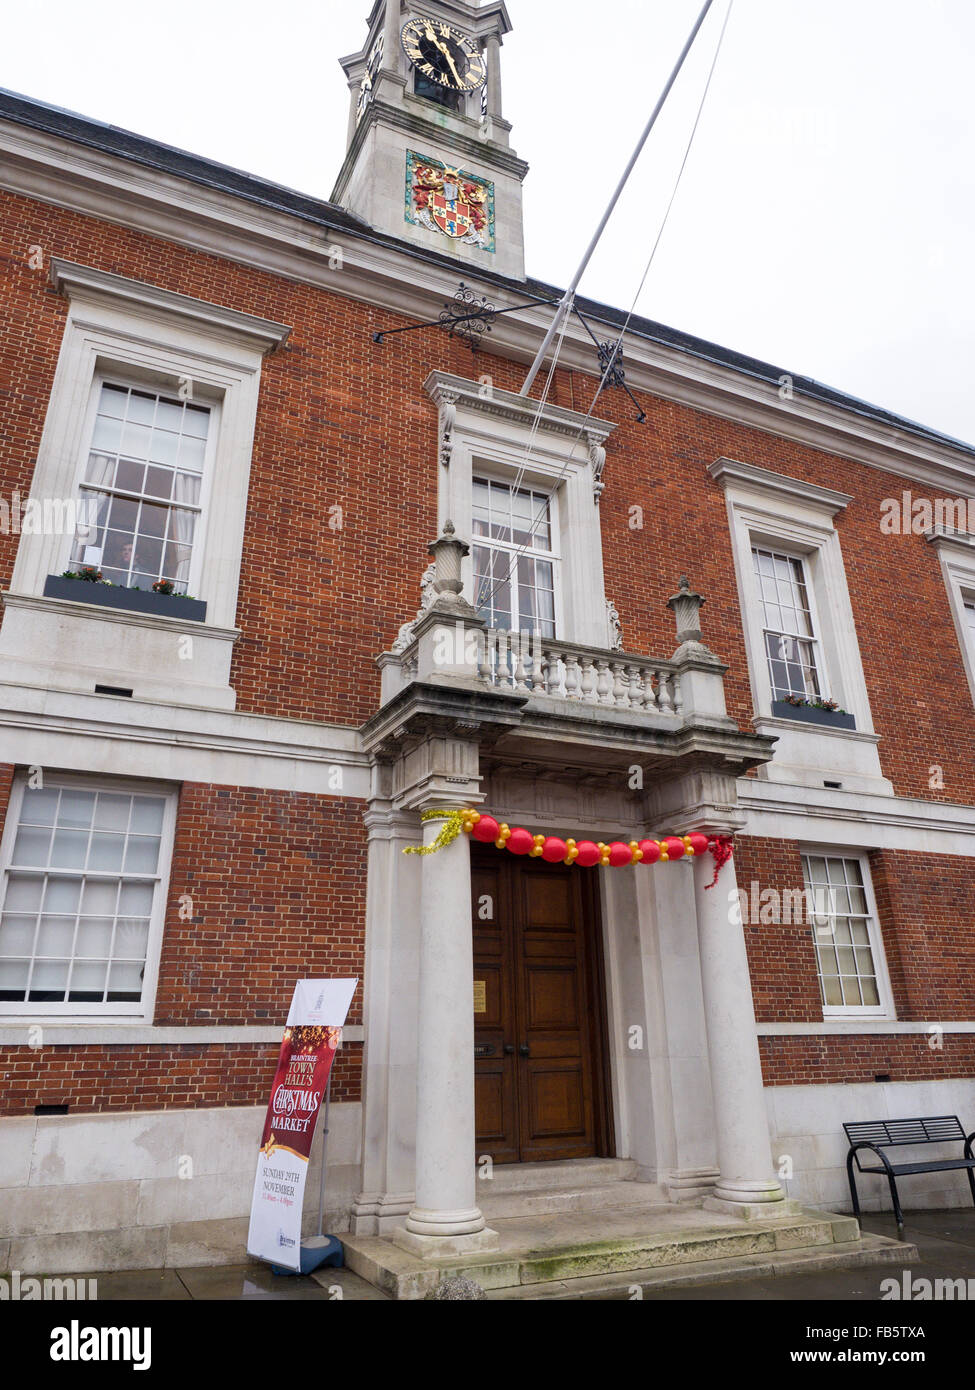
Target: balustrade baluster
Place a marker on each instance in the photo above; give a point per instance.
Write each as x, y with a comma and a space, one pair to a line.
573, 677
589, 693
604, 683
538, 665
519, 641
621, 687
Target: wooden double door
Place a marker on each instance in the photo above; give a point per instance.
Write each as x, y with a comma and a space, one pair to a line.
538, 1016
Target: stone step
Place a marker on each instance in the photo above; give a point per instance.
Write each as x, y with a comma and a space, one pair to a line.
868, 1252
574, 1173
544, 1201
541, 1251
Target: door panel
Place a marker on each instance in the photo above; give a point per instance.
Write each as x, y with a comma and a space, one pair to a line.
495, 1080
534, 965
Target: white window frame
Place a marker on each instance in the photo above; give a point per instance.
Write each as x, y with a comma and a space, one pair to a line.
956, 553
490, 433
554, 556
143, 1011
772, 510
105, 377
885, 1009
159, 339
816, 641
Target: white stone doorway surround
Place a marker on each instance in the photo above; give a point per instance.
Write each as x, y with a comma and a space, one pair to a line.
685, 1077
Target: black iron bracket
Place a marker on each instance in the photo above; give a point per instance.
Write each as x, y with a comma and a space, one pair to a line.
611, 371
465, 316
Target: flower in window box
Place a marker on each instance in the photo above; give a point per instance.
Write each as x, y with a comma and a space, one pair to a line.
87, 572
800, 702
164, 586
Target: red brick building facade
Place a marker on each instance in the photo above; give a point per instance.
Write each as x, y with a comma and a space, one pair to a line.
283, 753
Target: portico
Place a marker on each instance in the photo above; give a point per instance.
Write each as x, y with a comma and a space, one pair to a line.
682, 1072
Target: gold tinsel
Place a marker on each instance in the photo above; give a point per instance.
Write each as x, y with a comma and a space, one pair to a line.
449, 832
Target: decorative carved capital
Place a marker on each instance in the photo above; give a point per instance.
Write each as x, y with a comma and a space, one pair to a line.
597, 462
615, 627
448, 421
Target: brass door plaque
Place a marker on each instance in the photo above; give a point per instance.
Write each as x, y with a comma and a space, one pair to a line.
480, 996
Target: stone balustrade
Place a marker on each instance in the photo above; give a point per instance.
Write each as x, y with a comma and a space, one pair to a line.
449, 640
532, 665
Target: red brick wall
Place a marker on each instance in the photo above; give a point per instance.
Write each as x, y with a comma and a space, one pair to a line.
7, 771
854, 1058
344, 422
160, 1077
930, 900
781, 956
277, 883
926, 907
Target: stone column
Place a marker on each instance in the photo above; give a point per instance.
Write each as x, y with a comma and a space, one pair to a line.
493, 45
445, 1218
746, 1186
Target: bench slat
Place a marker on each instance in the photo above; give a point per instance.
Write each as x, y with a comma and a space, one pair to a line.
931, 1129
900, 1169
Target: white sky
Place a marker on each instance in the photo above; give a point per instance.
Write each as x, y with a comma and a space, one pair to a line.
825, 221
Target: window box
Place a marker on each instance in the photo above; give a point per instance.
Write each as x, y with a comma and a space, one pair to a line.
809, 714
131, 600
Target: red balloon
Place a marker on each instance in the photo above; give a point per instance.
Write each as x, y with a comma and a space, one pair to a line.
620, 854
699, 843
651, 851
486, 830
674, 847
588, 854
521, 841
554, 850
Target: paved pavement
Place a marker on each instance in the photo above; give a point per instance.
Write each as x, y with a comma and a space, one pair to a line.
945, 1240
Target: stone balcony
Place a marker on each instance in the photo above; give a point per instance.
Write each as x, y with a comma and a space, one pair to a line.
550, 701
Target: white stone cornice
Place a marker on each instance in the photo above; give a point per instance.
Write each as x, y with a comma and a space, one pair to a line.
127, 617
87, 282
101, 733
444, 388
725, 471
815, 815
940, 537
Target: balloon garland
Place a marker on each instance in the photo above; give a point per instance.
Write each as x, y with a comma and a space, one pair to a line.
586, 853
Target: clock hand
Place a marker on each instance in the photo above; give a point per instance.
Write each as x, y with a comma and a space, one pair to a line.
438, 43
453, 69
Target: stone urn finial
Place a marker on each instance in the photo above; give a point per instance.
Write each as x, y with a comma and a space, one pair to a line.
686, 606
448, 552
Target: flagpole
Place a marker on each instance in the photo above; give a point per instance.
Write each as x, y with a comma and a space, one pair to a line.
565, 304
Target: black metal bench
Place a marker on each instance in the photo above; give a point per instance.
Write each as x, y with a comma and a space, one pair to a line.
877, 1135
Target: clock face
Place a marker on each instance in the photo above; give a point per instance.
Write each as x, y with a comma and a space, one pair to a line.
444, 55
369, 76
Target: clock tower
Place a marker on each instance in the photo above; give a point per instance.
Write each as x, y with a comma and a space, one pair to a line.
429, 155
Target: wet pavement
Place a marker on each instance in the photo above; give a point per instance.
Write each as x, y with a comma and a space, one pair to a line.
945, 1241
